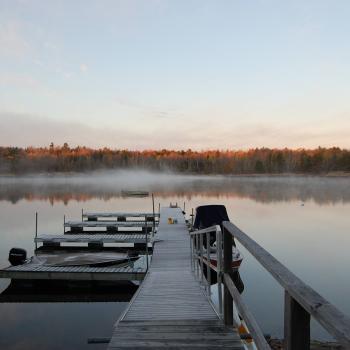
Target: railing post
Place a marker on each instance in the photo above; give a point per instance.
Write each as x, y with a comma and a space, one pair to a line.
201, 255
191, 250
227, 268
146, 235
154, 217
208, 261
196, 255
219, 265
296, 325
36, 230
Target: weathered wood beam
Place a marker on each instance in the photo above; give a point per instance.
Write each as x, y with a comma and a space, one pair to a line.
296, 325
333, 320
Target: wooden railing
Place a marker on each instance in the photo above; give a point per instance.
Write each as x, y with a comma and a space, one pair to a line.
301, 301
201, 257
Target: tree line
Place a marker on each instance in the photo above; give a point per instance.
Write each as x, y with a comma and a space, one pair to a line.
15, 160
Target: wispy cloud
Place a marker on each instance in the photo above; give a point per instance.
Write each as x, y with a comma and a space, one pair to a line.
148, 110
18, 129
83, 67
12, 40
24, 83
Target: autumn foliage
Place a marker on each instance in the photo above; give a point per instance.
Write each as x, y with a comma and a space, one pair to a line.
14, 160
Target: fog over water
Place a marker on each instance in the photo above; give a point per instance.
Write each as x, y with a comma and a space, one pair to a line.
303, 221
109, 184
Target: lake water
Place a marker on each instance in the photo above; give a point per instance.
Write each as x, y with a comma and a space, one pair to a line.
303, 221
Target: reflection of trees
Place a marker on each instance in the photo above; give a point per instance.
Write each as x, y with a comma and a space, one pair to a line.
260, 189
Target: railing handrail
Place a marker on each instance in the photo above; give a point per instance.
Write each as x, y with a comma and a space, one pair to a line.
224, 279
334, 321
204, 230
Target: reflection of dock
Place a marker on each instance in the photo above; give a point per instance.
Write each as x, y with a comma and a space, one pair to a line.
58, 292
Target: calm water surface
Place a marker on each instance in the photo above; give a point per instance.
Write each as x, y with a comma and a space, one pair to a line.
303, 221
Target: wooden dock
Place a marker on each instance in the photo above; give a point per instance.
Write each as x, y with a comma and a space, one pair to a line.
74, 273
133, 238
110, 226
119, 215
171, 309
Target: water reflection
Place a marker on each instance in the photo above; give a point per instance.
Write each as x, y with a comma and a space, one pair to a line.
40, 291
106, 186
56, 325
312, 241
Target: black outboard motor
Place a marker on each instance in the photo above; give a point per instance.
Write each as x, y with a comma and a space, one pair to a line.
17, 256
209, 215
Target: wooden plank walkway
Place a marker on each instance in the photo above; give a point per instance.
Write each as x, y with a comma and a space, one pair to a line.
170, 309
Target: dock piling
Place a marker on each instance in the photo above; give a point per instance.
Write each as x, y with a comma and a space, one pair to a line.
228, 300
36, 230
208, 265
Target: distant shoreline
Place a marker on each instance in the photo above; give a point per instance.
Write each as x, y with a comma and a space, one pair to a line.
335, 174
254, 162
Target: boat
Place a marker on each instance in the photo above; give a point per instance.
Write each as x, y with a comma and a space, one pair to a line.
237, 259
65, 257
134, 193
211, 215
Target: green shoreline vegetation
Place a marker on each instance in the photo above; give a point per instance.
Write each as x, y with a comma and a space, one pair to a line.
255, 162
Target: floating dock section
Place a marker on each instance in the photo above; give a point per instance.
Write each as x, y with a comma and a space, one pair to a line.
171, 309
74, 273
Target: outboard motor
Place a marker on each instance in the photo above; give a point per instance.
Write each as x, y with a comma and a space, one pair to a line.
133, 253
210, 215
17, 256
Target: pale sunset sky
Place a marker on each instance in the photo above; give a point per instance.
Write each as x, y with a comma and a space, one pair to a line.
175, 74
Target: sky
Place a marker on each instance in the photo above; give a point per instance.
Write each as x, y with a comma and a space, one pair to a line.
178, 74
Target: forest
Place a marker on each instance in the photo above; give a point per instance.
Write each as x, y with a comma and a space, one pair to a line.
54, 159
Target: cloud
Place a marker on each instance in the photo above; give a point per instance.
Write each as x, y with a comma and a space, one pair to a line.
25, 83
148, 110
83, 67
18, 80
20, 129
12, 42
31, 130
50, 46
